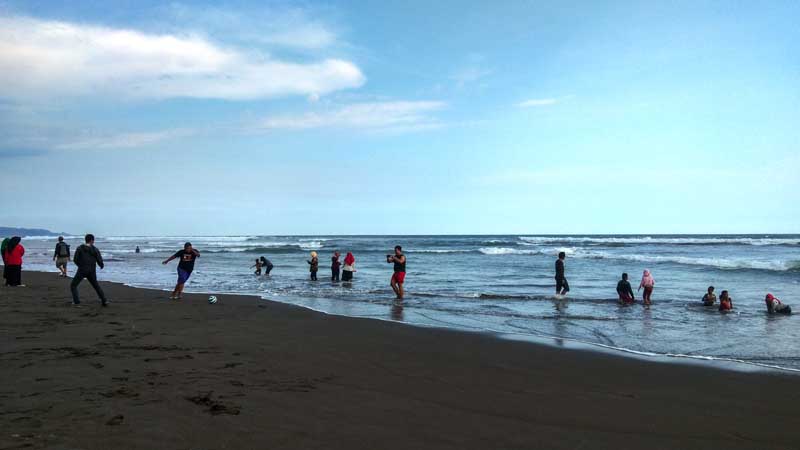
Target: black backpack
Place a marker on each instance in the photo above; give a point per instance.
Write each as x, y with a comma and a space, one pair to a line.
63, 249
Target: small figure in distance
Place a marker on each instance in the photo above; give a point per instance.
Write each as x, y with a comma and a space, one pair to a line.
399, 275
61, 256
775, 306
648, 283
257, 265
725, 302
313, 266
625, 290
562, 286
267, 265
710, 298
137, 250
185, 267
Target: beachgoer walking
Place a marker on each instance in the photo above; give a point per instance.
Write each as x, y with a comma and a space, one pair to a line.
648, 283
349, 267
399, 275
257, 265
185, 267
625, 290
335, 266
709, 298
267, 265
562, 286
725, 301
12, 258
313, 266
775, 306
87, 257
61, 256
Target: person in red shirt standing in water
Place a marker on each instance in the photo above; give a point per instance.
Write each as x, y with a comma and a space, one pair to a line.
185, 267
399, 276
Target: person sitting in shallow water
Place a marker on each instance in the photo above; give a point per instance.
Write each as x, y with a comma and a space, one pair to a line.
710, 298
725, 301
775, 306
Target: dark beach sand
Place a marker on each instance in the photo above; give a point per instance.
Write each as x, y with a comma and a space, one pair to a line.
147, 373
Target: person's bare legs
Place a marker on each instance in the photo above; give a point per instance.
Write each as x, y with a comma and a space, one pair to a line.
400, 292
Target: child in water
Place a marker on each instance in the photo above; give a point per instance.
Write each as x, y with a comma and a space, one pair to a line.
257, 265
313, 266
725, 302
710, 298
648, 283
775, 306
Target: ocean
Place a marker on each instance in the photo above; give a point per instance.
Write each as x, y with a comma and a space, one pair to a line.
504, 285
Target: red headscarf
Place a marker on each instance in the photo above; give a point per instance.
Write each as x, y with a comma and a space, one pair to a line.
349, 259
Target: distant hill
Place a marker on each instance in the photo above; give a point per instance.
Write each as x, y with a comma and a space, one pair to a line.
10, 231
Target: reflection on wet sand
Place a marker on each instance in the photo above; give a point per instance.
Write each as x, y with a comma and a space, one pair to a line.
397, 310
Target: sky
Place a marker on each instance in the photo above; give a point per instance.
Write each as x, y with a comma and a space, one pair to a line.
414, 117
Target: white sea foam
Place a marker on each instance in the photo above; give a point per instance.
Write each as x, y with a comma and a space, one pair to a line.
662, 240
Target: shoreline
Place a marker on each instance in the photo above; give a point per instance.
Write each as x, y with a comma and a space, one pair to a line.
711, 362
251, 373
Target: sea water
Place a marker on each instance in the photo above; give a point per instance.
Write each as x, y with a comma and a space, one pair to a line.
505, 284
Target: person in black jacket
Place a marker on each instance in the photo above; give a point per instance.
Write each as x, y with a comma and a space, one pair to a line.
624, 290
87, 257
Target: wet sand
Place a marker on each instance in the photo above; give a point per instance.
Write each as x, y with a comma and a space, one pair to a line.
149, 373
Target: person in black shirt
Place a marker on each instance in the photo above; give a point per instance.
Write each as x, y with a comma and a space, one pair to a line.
562, 287
625, 290
335, 266
87, 257
399, 275
185, 267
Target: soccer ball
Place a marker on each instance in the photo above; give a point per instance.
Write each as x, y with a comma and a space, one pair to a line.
212, 299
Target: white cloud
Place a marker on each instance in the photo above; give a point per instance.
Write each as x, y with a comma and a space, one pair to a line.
389, 115
289, 27
122, 140
538, 102
41, 59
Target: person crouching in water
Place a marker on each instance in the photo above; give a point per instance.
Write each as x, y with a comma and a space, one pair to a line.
625, 290
185, 267
725, 301
710, 298
313, 266
349, 267
257, 265
267, 265
774, 306
648, 283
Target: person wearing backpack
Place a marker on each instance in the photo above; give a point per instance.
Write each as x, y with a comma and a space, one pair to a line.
61, 256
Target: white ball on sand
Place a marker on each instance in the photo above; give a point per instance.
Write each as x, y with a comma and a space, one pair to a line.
212, 299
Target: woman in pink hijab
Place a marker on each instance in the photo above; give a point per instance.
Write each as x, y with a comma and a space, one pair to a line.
648, 283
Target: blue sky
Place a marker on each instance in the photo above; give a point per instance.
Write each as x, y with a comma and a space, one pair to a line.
136, 117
